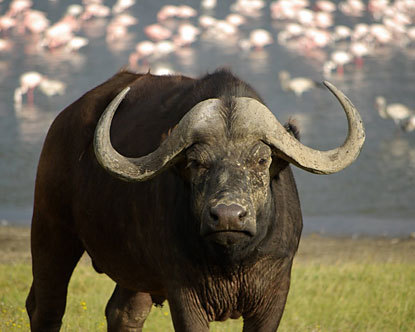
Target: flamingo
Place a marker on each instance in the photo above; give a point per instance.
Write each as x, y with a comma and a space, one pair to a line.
397, 112
318, 38
283, 10
352, 7
75, 43
185, 12
125, 20
19, 6
32, 79
117, 28
411, 34
145, 48
306, 17
52, 87
164, 48
115, 32
5, 45
360, 30
7, 22
142, 50
95, 10
328, 67
408, 124
251, 8
206, 21
326, 6
294, 29
396, 28
381, 34
57, 35
35, 21
187, 34
122, 5
298, 85
260, 38
323, 20
341, 32
340, 58
224, 29
208, 4
74, 10
28, 82
359, 50
166, 12
235, 19
157, 32
377, 6
162, 70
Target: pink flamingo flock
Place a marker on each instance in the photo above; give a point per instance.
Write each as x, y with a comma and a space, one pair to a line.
314, 33
308, 28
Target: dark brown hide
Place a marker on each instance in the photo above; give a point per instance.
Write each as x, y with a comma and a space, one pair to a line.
145, 235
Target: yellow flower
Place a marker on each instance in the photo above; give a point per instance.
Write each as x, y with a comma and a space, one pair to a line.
83, 305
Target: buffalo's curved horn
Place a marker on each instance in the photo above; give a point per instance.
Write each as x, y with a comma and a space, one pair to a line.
148, 166
253, 119
287, 147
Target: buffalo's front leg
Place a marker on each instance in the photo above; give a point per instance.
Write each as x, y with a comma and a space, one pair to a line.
127, 310
268, 317
55, 252
186, 312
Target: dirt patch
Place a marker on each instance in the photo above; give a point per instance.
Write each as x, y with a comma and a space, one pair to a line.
14, 244
314, 249
317, 249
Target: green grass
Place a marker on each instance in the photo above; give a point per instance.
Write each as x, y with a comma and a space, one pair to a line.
323, 297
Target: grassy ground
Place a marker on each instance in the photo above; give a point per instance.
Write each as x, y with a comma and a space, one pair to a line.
338, 284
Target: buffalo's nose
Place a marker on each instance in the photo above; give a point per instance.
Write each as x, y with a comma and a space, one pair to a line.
228, 216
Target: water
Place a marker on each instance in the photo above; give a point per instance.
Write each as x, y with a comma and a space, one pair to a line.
374, 196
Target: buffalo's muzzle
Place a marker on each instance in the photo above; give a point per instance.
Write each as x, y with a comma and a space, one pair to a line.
228, 217
228, 224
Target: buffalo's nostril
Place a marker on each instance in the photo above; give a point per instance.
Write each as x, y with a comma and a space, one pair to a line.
214, 215
242, 214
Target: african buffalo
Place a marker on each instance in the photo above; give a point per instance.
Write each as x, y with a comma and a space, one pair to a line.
184, 195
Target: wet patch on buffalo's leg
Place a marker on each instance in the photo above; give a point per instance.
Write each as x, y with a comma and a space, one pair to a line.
55, 253
127, 310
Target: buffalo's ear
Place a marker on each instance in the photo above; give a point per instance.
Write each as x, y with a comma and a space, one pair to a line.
180, 169
292, 127
278, 164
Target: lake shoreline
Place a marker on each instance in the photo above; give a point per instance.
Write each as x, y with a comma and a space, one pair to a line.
328, 225
313, 249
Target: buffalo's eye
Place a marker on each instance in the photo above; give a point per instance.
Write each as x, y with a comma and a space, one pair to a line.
197, 164
262, 161
260, 156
